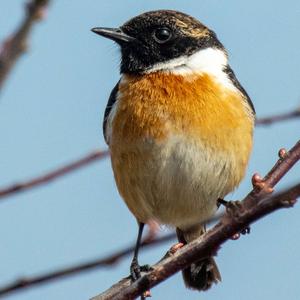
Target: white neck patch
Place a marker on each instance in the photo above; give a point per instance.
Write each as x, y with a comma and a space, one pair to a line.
207, 61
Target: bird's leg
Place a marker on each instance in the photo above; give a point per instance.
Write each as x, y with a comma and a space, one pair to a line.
221, 202
135, 268
234, 208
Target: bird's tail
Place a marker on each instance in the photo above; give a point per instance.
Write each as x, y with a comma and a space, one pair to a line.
202, 274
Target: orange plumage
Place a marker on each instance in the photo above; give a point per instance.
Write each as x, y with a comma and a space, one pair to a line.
158, 106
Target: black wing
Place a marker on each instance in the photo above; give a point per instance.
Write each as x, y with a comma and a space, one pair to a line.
111, 101
236, 83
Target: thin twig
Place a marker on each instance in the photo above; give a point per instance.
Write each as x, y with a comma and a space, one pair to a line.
257, 204
109, 260
62, 171
294, 114
14, 46
287, 159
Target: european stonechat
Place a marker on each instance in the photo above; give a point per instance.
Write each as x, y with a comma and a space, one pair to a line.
179, 127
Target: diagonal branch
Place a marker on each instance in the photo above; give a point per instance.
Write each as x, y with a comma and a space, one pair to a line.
62, 171
15, 45
257, 204
202, 247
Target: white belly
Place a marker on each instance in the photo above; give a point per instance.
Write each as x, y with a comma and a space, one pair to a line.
176, 182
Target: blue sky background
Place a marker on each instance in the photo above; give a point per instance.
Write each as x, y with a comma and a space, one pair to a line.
51, 112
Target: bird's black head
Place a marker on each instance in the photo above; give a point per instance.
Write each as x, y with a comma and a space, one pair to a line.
157, 37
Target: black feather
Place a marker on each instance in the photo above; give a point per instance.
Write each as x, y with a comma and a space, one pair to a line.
111, 101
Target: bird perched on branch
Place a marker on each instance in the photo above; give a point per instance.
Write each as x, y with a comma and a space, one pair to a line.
179, 128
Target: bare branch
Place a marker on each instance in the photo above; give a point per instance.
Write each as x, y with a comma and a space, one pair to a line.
14, 46
287, 159
257, 204
62, 171
110, 260
294, 114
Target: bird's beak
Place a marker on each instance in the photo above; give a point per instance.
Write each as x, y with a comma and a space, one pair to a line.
115, 34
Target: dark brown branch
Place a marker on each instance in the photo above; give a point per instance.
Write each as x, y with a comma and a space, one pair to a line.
294, 114
257, 204
62, 171
15, 46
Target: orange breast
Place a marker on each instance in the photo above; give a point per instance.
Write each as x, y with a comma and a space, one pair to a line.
155, 105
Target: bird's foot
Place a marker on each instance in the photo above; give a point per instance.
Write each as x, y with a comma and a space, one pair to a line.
136, 270
175, 248
234, 209
135, 273
146, 294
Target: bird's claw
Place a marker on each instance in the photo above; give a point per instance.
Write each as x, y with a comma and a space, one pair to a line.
175, 248
234, 209
146, 268
136, 270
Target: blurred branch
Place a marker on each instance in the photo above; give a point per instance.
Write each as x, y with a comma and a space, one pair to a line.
14, 46
109, 260
294, 114
257, 204
62, 171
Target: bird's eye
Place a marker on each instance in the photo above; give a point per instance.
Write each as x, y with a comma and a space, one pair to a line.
162, 35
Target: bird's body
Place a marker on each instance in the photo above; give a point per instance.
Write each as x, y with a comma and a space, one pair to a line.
174, 148
179, 126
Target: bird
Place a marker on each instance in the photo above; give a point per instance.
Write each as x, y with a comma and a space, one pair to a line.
179, 127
